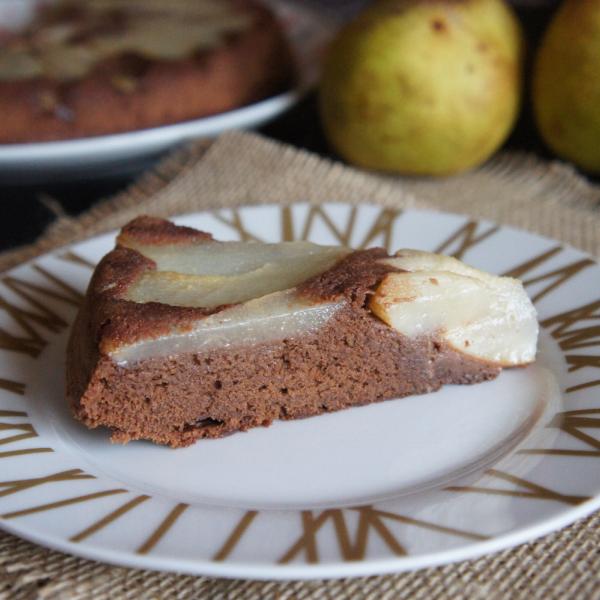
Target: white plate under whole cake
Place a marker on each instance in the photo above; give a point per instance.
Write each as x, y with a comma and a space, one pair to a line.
397, 485
308, 31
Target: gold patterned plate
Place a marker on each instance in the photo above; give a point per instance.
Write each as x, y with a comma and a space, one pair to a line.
397, 485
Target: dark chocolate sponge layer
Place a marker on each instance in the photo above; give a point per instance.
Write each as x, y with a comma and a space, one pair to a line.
354, 359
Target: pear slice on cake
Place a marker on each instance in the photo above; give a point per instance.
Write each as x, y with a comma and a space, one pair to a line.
478, 314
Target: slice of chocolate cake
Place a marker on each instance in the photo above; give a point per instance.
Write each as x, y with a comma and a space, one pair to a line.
182, 337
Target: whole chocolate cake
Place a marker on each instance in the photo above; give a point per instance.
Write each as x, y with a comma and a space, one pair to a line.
182, 337
93, 67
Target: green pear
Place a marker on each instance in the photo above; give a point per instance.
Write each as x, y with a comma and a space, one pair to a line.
566, 84
423, 86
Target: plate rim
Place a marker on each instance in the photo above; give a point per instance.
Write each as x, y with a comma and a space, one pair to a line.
72, 158
330, 570
177, 132
324, 570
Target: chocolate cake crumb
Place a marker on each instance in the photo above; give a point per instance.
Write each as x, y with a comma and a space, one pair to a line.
252, 387
354, 359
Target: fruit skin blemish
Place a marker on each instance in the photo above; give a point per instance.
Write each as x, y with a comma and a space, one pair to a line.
428, 87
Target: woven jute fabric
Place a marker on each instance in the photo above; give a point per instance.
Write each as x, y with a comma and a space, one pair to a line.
242, 169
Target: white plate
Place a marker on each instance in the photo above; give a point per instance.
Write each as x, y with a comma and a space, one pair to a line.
398, 485
308, 32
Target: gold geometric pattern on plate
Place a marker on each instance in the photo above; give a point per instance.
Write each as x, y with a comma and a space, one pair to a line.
163, 528
76, 259
61, 503
27, 431
529, 490
36, 314
572, 422
464, 238
109, 518
383, 225
20, 485
370, 520
33, 317
236, 222
563, 328
235, 536
557, 277
16, 387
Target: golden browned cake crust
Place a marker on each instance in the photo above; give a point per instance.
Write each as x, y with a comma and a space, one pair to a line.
108, 66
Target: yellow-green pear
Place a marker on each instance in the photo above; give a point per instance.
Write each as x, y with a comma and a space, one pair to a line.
566, 84
423, 86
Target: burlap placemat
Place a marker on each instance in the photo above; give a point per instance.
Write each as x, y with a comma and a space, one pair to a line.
239, 169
